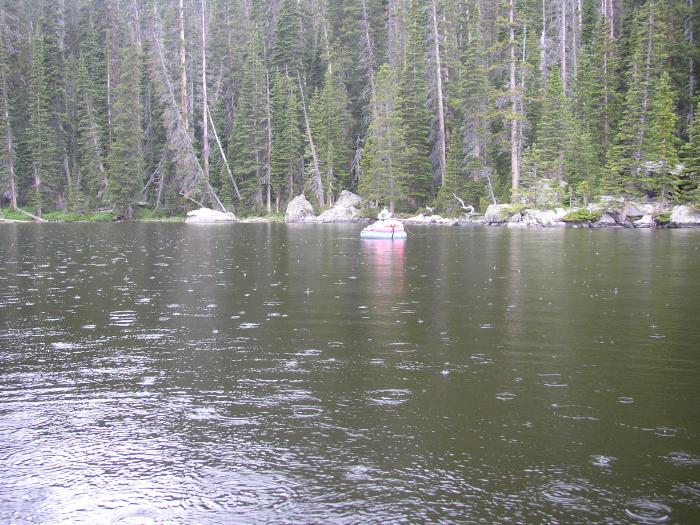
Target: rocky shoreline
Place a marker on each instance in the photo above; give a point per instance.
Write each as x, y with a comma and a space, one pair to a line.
608, 213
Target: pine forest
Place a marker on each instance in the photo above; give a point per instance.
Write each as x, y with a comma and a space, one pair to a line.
243, 104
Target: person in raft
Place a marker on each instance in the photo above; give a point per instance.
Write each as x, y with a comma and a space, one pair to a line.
384, 214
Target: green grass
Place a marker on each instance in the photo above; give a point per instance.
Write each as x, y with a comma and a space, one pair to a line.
7, 213
64, 216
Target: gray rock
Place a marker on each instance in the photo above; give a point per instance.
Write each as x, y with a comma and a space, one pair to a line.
496, 213
428, 219
607, 220
547, 218
685, 216
647, 221
339, 214
208, 216
299, 210
344, 210
517, 217
347, 199
632, 209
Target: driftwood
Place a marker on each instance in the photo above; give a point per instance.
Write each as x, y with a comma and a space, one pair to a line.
469, 210
36, 219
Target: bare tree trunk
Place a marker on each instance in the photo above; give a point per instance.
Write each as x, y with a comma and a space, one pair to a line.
369, 50
440, 98
514, 146
223, 156
562, 36
644, 117
9, 147
268, 156
183, 65
692, 80
316, 181
543, 45
205, 105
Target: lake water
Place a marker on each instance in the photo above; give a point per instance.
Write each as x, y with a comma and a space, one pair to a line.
257, 373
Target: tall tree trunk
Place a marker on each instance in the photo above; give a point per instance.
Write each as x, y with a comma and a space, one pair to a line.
205, 104
563, 39
316, 181
543, 45
692, 79
440, 99
514, 143
644, 117
268, 156
183, 65
369, 50
9, 146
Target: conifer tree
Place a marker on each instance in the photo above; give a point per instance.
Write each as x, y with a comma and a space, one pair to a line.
42, 148
126, 162
414, 94
246, 149
383, 175
648, 55
89, 139
689, 183
329, 120
661, 148
547, 156
286, 136
288, 52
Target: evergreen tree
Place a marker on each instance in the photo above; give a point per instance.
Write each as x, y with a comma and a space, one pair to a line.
43, 151
547, 158
647, 60
658, 176
468, 162
246, 150
89, 138
689, 183
126, 162
288, 53
383, 175
286, 136
414, 94
329, 120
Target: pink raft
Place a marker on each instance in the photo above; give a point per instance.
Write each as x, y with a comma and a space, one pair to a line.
384, 229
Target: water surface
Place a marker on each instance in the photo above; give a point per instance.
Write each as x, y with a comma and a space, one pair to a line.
257, 373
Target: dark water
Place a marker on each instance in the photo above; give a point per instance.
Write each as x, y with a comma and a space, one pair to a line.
295, 374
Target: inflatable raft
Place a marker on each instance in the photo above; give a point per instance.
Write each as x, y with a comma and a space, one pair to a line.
384, 229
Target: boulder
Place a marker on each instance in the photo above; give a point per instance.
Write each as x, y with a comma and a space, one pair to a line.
685, 216
347, 199
647, 221
428, 219
516, 217
299, 210
547, 218
344, 210
632, 209
607, 220
339, 214
208, 216
496, 213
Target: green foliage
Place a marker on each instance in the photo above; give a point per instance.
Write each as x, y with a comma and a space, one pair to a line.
383, 175
329, 119
126, 161
583, 215
286, 135
662, 218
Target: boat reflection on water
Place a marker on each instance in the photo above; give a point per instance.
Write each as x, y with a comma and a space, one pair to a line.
384, 263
